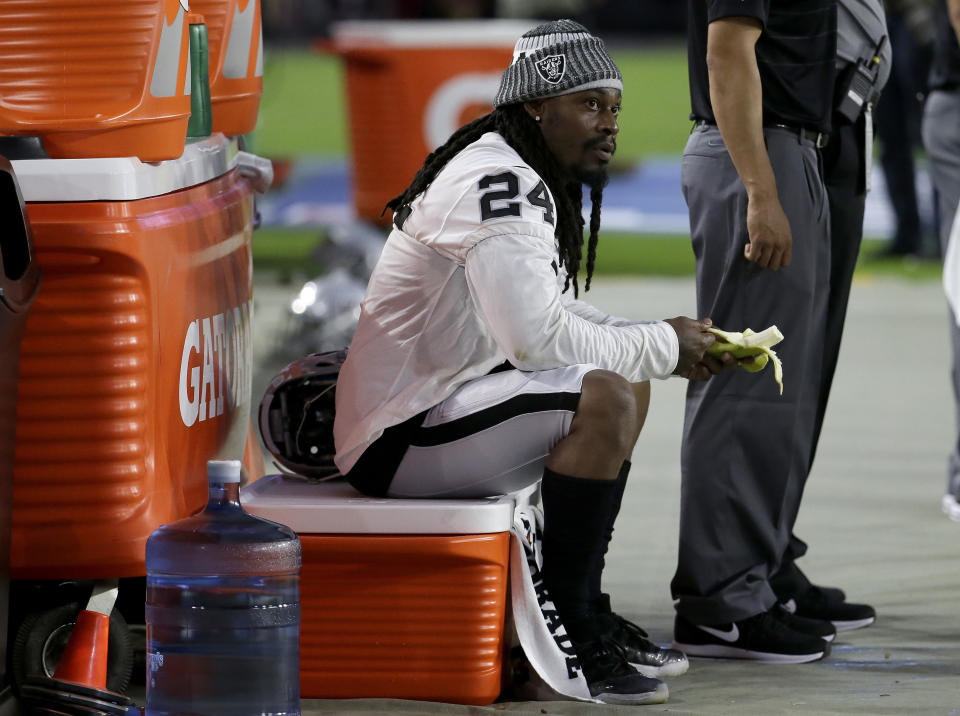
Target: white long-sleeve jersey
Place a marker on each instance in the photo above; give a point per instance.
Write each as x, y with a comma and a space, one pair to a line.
469, 282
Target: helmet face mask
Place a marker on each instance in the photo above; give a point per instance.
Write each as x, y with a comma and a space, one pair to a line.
297, 414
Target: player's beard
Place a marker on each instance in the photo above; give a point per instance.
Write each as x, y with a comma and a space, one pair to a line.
595, 179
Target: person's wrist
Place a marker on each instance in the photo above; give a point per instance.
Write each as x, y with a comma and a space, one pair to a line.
674, 343
761, 194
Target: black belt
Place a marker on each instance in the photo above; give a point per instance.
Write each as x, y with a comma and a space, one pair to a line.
819, 139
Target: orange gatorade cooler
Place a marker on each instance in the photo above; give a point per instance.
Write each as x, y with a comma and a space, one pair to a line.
409, 86
399, 598
135, 366
96, 79
236, 62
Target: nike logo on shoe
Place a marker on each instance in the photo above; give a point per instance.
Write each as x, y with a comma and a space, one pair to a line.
730, 635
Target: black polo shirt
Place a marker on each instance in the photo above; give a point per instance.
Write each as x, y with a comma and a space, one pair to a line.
945, 68
795, 55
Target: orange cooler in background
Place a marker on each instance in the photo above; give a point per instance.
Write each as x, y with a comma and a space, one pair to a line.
96, 79
409, 86
236, 62
398, 598
136, 361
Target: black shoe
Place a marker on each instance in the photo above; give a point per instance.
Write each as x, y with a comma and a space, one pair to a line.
612, 680
833, 594
642, 654
815, 603
790, 580
762, 637
814, 627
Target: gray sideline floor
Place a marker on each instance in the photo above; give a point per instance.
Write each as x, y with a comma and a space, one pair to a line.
871, 516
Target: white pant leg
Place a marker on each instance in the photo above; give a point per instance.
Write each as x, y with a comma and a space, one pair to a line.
492, 435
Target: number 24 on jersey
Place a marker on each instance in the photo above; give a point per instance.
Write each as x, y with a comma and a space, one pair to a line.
503, 190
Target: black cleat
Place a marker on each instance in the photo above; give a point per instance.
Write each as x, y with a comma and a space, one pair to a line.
612, 680
642, 654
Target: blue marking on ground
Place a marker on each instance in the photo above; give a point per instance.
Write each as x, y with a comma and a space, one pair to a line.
646, 198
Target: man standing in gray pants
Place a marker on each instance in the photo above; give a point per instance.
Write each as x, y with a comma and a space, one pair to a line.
761, 85
863, 65
941, 138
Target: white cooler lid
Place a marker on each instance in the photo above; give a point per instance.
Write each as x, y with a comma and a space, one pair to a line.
334, 507
124, 178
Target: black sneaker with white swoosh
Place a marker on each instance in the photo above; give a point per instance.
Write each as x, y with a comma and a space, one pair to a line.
812, 627
817, 603
762, 637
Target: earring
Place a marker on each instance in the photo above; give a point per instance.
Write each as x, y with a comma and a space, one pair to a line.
537, 118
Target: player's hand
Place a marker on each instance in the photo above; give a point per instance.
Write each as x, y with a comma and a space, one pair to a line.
693, 362
769, 230
711, 365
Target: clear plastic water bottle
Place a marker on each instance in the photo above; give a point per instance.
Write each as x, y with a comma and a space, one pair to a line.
223, 610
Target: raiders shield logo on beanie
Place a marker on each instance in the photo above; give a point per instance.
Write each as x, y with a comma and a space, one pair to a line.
557, 58
551, 68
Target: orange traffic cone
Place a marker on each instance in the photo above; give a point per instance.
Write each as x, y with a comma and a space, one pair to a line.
84, 659
79, 684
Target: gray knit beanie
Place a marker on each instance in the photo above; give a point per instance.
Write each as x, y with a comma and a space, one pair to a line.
557, 58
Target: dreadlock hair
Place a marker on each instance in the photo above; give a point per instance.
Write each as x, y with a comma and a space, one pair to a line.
520, 131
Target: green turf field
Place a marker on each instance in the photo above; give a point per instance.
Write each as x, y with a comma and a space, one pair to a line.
303, 113
303, 110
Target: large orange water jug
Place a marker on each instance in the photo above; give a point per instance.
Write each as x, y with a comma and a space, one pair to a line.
236, 62
136, 361
96, 79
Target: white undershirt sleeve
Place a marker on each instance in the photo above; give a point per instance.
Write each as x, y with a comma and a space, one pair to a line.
512, 282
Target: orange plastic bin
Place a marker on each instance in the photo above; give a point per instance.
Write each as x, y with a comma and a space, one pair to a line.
399, 598
102, 79
136, 360
410, 84
236, 62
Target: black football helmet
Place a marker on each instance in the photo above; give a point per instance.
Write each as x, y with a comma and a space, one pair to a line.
297, 412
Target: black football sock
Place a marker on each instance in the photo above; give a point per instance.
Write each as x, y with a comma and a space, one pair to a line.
600, 601
576, 517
